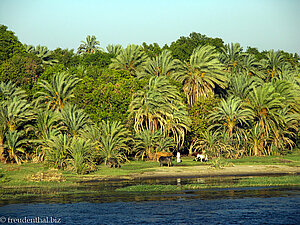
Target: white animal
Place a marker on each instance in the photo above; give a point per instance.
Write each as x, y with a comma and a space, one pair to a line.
201, 157
178, 157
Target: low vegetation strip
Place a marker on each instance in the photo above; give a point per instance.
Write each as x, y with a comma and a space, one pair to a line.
243, 182
41, 175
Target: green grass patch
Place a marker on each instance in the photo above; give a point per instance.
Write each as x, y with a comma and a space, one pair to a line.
263, 181
227, 183
149, 188
35, 174
292, 159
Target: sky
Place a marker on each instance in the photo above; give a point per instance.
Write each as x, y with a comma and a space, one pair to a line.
264, 24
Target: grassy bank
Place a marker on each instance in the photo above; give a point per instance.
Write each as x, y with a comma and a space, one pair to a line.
264, 181
39, 174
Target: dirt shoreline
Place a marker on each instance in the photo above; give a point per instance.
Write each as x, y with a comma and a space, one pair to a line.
207, 171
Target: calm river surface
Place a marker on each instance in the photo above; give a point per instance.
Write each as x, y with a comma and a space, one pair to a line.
214, 206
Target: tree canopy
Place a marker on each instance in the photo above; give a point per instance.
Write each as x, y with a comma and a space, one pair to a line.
76, 110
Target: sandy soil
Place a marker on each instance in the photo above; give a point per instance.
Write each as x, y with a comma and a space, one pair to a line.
207, 171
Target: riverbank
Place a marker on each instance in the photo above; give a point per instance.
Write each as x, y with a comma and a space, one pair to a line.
40, 175
37, 180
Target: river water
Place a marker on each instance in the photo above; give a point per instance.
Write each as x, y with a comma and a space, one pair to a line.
263, 205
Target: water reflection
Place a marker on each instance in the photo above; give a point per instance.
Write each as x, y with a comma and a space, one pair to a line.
101, 192
232, 206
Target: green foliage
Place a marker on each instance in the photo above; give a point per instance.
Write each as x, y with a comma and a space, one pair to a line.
152, 50
258, 113
50, 71
9, 90
65, 57
22, 70
99, 59
199, 114
241, 85
105, 94
9, 44
183, 48
258, 55
15, 112
47, 125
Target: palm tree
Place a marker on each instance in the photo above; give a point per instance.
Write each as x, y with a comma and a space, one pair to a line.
74, 119
283, 138
14, 142
91, 45
264, 103
273, 63
159, 107
149, 106
92, 133
9, 90
231, 56
59, 92
287, 90
146, 142
29, 48
255, 140
248, 65
208, 142
131, 59
57, 150
80, 151
114, 49
289, 74
230, 117
165, 144
47, 125
179, 125
202, 74
114, 140
41, 52
16, 112
3, 130
241, 85
162, 65
44, 54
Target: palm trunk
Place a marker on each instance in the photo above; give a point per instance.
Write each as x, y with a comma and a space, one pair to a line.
255, 150
2, 158
191, 147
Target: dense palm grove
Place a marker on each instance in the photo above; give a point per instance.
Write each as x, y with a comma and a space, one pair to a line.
75, 110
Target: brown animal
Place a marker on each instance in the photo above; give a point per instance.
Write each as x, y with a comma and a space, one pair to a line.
165, 160
162, 154
196, 153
